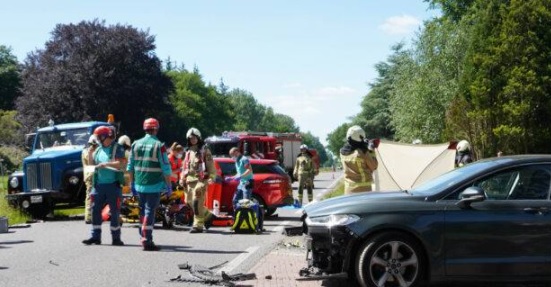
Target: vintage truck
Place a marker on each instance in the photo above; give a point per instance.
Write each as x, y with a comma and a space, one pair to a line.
53, 172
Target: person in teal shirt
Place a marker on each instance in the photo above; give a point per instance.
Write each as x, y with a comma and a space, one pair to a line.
108, 160
244, 176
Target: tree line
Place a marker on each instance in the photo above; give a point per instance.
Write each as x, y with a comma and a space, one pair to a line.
480, 71
90, 69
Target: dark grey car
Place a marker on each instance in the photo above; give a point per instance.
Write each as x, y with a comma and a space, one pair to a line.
488, 221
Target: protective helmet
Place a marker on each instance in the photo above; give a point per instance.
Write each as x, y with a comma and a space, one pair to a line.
303, 146
463, 146
193, 131
355, 133
150, 124
124, 140
103, 132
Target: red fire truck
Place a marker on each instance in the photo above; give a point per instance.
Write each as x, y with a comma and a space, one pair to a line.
284, 147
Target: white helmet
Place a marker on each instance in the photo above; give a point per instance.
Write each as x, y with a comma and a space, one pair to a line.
355, 133
303, 146
93, 140
463, 146
124, 140
193, 131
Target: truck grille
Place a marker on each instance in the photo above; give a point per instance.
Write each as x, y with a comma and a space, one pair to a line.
39, 175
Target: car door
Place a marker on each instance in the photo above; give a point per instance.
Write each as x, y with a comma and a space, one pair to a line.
509, 233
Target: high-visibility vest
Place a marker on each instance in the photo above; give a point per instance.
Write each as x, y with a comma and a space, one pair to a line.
147, 166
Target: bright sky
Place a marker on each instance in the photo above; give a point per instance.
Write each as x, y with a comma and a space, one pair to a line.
309, 59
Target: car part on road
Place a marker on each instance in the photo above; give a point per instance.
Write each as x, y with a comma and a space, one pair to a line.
202, 274
313, 274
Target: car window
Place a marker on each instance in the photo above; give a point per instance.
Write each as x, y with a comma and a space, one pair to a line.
262, 168
228, 168
522, 183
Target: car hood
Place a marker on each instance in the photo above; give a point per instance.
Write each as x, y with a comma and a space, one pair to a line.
362, 203
57, 153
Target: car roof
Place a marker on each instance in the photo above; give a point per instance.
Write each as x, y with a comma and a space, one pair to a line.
251, 160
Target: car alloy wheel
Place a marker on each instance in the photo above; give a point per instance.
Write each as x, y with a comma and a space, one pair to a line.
390, 260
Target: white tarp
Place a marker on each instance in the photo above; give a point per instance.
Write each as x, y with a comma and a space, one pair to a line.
403, 166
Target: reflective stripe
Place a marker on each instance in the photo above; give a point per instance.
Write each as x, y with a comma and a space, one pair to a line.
113, 228
96, 226
147, 158
361, 171
147, 227
148, 169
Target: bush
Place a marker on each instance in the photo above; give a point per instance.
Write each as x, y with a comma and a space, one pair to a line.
12, 157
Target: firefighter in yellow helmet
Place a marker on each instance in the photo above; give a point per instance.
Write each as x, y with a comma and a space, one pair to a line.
304, 171
197, 172
358, 161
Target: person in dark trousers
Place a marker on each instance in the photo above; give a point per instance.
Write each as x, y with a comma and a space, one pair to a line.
109, 162
150, 172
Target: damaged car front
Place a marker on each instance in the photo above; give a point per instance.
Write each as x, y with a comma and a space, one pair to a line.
335, 227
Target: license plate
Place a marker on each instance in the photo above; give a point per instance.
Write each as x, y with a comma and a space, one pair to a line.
36, 198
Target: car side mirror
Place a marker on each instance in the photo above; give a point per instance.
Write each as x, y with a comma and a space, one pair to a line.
470, 195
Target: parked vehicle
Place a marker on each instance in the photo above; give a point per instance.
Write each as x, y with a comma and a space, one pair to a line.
272, 186
283, 147
53, 172
487, 221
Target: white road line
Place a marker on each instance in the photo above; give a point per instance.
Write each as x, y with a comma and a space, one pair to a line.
228, 268
281, 226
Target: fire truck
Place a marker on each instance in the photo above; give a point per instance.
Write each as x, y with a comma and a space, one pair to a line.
284, 147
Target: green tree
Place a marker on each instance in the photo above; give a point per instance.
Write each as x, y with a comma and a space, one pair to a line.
196, 104
10, 81
10, 129
337, 138
89, 70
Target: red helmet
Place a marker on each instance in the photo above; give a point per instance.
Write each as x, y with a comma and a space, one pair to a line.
150, 124
103, 132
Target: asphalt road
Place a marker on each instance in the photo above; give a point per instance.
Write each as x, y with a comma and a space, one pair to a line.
51, 253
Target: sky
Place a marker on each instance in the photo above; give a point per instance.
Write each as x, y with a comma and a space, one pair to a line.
312, 60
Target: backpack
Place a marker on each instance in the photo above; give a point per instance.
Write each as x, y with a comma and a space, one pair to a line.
246, 220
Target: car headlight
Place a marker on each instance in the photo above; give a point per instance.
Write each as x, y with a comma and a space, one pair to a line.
332, 220
14, 182
73, 180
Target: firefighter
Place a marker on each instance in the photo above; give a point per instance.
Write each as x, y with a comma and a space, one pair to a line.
175, 159
463, 154
150, 176
126, 143
197, 172
358, 161
109, 162
304, 171
88, 175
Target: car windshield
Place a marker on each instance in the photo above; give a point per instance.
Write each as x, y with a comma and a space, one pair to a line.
450, 178
57, 138
221, 149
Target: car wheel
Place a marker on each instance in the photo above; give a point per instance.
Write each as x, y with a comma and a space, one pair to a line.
390, 259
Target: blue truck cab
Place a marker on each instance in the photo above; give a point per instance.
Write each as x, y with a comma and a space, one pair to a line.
53, 172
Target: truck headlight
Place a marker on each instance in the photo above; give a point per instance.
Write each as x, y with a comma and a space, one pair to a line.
332, 220
73, 180
14, 182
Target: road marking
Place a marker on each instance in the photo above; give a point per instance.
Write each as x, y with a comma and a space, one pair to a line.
281, 226
228, 268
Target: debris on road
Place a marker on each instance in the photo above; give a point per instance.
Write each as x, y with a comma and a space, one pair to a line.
202, 274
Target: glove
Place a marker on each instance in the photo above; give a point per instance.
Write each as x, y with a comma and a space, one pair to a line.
133, 190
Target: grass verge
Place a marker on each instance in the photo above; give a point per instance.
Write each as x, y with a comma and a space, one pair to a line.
337, 191
15, 216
